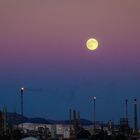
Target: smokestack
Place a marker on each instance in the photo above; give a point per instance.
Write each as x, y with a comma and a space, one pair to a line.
135, 116
74, 119
4, 119
70, 118
70, 115
126, 109
74, 115
78, 115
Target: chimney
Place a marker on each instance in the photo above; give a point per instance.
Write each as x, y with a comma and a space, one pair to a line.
70, 115
78, 117
74, 115
126, 107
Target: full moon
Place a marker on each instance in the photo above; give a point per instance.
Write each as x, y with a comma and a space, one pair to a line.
92, 44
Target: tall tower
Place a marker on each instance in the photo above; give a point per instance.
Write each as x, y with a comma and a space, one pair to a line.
74, 115
135, 116
70, 116
21, 92
70, 119
4, 117
94, 113
126, 109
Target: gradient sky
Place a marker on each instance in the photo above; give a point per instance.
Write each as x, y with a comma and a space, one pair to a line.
43, 47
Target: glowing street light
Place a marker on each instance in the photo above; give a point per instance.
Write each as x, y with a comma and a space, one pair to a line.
94, 115
135, 117
22, 91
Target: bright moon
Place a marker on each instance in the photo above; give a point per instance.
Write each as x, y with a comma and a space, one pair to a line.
92, 44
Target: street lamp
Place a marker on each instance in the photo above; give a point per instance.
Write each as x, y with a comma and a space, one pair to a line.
21, 91
94, 115
135, 116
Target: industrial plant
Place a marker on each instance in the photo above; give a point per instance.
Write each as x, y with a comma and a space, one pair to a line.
15, 126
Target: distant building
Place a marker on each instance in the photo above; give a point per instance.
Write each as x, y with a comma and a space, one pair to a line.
59, 130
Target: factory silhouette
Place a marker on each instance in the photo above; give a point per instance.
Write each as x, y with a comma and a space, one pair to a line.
14, 126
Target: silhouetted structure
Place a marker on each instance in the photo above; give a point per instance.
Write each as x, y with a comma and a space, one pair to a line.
126, 108
124, 126
94, 113
21, 91
135, 117
4, 119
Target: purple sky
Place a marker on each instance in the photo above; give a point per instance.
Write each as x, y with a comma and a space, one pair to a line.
42, 47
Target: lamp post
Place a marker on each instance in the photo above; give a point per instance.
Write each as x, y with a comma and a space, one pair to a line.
21, 91
94, 115
135, 116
